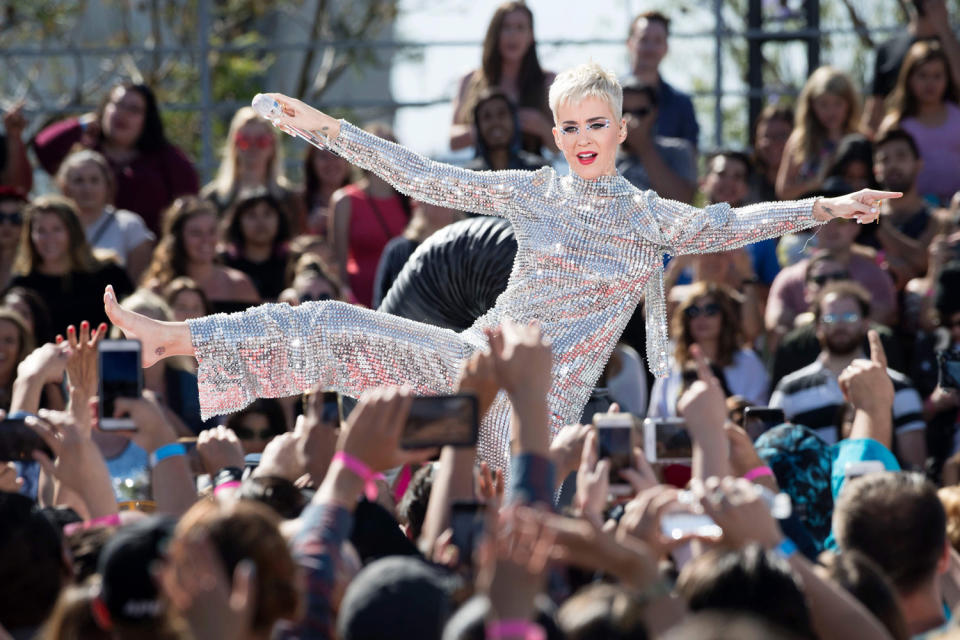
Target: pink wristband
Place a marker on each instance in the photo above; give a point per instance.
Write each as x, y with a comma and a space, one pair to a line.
758, 472
112, 520
232, 484
368, 475
514, 629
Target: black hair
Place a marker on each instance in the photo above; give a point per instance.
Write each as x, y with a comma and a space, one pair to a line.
894, 134
152, 137
731, 154
247, 200
642, 88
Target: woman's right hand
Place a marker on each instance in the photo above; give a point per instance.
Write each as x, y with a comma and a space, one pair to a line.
159, 339
296, 113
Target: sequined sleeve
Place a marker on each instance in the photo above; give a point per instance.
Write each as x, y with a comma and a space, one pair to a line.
717, 227
487, 192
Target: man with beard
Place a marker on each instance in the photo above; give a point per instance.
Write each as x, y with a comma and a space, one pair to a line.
905, 227
811, 396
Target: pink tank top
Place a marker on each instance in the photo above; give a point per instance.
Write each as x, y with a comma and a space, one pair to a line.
373, 222
940, 150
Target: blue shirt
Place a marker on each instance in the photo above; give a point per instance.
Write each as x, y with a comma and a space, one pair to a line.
675, 115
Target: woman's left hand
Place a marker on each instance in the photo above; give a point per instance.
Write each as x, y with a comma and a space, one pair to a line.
863, 205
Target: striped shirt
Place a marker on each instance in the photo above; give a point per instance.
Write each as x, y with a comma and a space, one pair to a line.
811, 396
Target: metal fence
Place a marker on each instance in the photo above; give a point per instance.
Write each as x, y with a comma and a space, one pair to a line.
203, 49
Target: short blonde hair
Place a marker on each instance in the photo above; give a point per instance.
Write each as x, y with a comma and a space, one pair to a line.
584, 81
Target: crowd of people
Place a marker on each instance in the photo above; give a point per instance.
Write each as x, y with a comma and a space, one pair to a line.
304, 517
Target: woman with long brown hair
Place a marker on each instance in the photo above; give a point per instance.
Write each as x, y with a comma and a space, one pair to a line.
509, 62
925, 104
56, 261
189, 248
710, 318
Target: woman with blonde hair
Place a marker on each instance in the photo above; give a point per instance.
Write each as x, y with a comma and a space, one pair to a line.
56, 261
189, 248
86, 178
253, 158
510, 63
925, 104
828, 109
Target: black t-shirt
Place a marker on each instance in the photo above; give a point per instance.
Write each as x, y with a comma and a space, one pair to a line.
269, 277
77, 296
913, 227
890, 55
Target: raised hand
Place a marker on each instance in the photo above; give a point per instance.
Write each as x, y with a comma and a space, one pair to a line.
159, 339
522, 357
82, 373
593, 482
219, 448
863, 205
866, 383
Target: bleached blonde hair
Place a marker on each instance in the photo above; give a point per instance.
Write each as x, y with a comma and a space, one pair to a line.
585, 81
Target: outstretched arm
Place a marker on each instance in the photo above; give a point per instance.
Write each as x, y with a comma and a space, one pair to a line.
717, 227
490, 192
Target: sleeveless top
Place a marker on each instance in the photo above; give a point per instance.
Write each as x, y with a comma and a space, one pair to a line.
373, 222
940, 149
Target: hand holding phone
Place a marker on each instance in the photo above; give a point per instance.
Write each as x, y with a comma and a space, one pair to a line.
667, 440
758, 420
615, 441
121, 376
438, 421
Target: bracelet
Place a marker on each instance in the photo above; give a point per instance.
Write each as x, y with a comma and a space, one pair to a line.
368, 475
112, 520
758, 472
515, 628
167, 451
786, 548
232, 484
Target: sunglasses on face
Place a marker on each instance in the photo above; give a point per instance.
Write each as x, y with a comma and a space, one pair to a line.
709, 310
850, 317
824, 278
245, 142
246, 433
15, 218
314, 298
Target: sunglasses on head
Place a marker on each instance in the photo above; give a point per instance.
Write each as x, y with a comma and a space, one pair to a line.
245, 142
246, 433
11, 218
824, 278
709, 310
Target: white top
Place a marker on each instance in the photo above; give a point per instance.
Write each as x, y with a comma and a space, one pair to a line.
629, 387
746, 377
118, 230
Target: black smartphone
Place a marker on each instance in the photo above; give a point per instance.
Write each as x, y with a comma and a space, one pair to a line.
948, 362
331, 408
615, 440
667, 440
758, 420
18, 441
467, 522
121, 376
437, 421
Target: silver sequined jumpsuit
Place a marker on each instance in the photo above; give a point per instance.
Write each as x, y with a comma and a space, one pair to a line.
587, 252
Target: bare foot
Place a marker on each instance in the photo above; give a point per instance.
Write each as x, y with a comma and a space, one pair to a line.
159, 339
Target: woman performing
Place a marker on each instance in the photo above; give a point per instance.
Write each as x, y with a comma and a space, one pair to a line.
590, 246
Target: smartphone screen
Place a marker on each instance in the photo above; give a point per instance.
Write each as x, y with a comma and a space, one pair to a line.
667, 440
615, 443
467, 522
121, 376
949, 374
759, 420
437, 421
18, 441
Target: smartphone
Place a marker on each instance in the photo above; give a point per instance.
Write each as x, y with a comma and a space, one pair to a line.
437, 421
758, 420
121, 376
667, 440
18, 441
861, 468
615, 440
467, 522
948, 362
331, 408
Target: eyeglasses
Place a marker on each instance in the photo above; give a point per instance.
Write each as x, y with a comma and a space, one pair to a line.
246, 433
850, 317
245, 142
15, 218
591, 128
824, 278
709, 310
